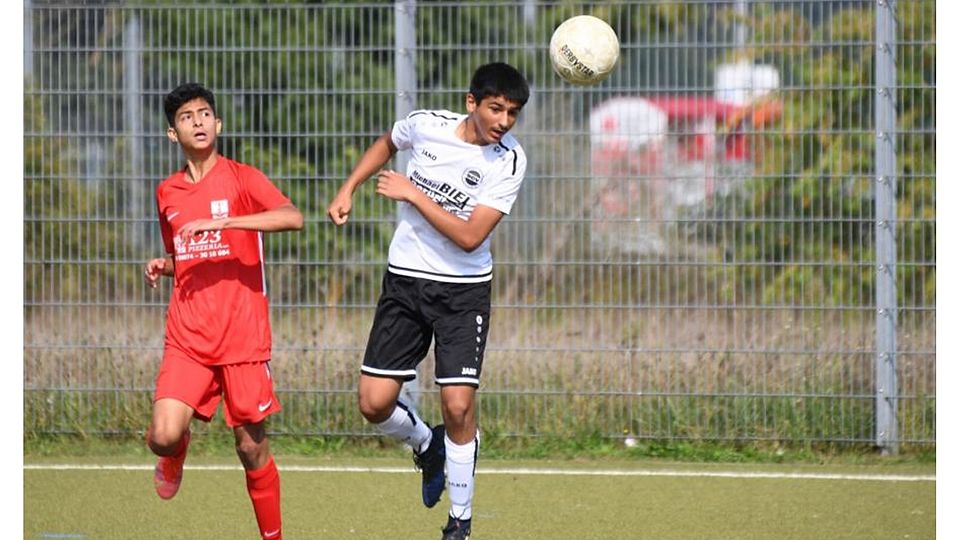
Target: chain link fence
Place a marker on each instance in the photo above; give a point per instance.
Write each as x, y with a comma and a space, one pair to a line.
730, 239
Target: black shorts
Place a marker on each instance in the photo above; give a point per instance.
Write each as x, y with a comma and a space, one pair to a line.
412, 312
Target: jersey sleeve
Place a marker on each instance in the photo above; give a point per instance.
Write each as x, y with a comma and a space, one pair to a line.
166, 230
502, 193
402, 133
262, 195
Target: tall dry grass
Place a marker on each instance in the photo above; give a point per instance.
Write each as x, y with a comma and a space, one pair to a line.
658, 372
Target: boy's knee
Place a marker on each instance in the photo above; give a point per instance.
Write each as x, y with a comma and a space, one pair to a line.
247, 448
252, 454
164, 442
252, 446
457, 412
373, 409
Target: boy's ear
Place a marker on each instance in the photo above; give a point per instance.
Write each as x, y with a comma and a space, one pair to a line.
471, 102
219, 126
172, 135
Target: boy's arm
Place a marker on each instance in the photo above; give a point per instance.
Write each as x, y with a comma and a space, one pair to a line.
161, 266
376, 156
468, 235
283, 218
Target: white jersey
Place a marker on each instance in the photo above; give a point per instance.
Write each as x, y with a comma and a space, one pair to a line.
458, 176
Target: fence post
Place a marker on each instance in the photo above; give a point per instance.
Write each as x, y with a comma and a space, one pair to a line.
133, 123
405, 101
28, 41
405, 64
887, 437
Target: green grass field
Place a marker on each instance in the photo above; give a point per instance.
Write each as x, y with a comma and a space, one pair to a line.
530, 499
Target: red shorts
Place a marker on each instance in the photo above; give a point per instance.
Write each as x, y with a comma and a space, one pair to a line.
247, 389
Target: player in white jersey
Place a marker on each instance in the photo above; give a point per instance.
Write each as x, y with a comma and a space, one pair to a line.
463, 175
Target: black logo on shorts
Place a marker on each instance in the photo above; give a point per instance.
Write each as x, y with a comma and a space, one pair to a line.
472, 177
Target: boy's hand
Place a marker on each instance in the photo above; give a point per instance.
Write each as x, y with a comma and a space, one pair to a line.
199, 225
340, 207
153, 270
396, 186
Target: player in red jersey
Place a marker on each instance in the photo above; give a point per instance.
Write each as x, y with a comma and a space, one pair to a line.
213, 214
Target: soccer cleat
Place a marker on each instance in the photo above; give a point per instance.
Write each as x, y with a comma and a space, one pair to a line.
456, 529
169, 471
431, 463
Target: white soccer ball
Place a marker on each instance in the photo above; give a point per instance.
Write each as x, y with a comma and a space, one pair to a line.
584, 49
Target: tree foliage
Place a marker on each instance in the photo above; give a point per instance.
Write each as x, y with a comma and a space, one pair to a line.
302, 96
806, 233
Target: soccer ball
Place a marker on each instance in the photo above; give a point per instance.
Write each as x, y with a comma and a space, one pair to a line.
584, 49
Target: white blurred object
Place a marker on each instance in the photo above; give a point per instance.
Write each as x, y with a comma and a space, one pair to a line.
622, 125
626, 139
630, 442
744, 82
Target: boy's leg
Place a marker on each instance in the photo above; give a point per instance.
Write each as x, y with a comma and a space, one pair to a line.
461, 330
263, 479
462, 444
248, 399
379, 404
171, 419
184, 389
399, 340
168, 438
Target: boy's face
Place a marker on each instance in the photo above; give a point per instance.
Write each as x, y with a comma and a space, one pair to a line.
194, 126
492, 117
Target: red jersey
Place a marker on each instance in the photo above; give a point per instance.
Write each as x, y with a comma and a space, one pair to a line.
218, 311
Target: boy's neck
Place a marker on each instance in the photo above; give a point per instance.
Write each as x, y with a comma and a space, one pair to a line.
467, 132
198, 165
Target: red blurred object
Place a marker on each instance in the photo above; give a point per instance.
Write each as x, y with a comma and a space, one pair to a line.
656, 159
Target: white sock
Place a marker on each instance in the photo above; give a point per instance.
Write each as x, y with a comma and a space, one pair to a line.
403, 424
461, 467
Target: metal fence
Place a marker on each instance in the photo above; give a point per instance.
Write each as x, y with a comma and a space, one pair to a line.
729, 239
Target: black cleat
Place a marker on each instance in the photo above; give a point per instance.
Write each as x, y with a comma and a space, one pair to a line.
456, 529
431, 463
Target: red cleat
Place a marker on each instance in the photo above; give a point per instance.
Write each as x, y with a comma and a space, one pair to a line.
169, 471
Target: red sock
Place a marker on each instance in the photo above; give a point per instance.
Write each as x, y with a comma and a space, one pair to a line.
263, 485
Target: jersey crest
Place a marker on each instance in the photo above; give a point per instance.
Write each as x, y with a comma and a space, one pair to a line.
219, 209
472, 177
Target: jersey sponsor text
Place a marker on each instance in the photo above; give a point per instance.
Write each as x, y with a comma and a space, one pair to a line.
442, 193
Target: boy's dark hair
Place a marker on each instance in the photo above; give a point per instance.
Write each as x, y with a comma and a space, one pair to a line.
182, 94
499, 79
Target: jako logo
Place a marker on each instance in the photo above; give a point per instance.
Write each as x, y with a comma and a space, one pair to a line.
428, 154
468, 371
471, 177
